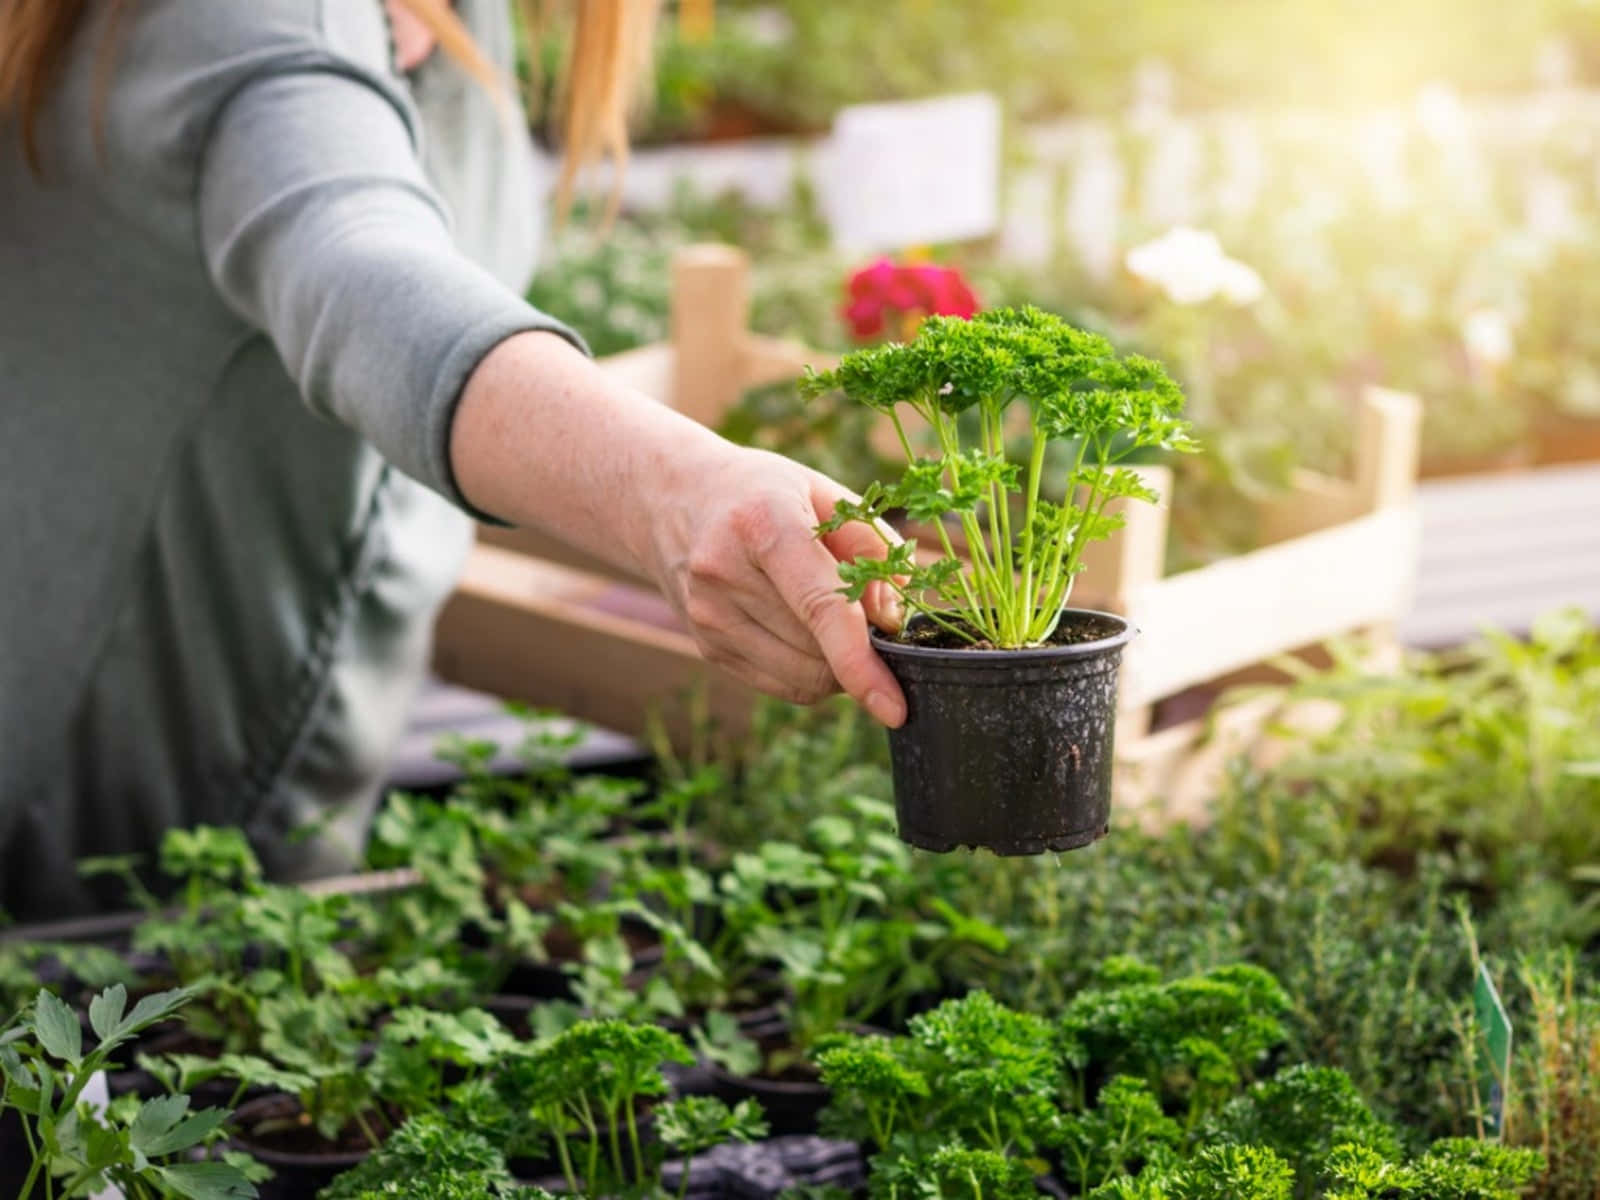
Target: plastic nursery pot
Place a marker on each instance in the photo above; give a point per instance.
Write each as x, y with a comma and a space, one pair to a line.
1007, 749
302, 1162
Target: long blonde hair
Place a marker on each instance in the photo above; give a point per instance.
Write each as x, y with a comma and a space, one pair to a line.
608, 58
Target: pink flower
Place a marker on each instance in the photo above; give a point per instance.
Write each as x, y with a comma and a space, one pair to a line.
909, 292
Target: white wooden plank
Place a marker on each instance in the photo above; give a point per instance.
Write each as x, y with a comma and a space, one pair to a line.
1204, 623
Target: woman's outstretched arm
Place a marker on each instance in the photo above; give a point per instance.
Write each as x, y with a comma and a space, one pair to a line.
542, 436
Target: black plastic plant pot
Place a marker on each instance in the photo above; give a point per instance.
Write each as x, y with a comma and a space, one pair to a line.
298, 1171
1007, 749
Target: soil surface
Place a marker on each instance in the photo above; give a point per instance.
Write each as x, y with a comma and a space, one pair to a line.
285, 1129
1073, 629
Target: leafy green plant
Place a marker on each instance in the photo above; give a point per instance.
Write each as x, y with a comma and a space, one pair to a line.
139, 1148
955, 1172
1475, 754
1023, 560
311, 1047
1303, 1113
857, 939
431, 1157
982, 1077
583, 1089
1452, 1169
1215, 1173
874, 1086
504, 853
1194, 1039
993, 1073
421, 1053
691, 1125
1123, 1131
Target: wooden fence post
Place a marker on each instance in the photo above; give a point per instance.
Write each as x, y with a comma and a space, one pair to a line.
1388, 429
710, 325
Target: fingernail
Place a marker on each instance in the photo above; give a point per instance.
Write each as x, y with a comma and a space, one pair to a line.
885, 710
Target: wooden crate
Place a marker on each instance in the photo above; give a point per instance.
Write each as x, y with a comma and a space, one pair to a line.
533, 620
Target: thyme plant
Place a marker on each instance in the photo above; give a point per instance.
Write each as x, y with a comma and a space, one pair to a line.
1021, 549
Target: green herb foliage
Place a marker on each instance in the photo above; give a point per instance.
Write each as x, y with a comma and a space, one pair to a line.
583, 1090
142, 1149
1024, 550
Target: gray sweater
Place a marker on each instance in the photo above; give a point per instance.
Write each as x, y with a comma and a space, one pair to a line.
232, 337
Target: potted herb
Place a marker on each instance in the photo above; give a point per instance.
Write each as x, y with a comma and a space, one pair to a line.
1011, 695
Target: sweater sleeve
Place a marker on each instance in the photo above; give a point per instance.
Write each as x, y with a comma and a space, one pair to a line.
319, 228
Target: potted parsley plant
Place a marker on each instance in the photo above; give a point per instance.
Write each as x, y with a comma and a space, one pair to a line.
1011, 694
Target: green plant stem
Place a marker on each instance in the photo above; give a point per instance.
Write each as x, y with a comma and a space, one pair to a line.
939, 528
633, 1141
1005, 547
1031, 506
1048, 608
565, 1156
1000, 542
33, 1171
592, 1159
977, 548
367, 1131
1062, 572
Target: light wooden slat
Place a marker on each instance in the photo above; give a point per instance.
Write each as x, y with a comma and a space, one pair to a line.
1315, 501
530, 630
776, 360
710, 317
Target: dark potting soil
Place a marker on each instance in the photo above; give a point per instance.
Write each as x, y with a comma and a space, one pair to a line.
278, 1125
1074, 629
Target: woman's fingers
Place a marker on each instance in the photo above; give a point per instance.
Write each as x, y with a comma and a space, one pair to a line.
806, 576
756, 655
762, 593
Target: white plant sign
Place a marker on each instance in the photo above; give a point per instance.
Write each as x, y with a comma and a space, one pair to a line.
913, 173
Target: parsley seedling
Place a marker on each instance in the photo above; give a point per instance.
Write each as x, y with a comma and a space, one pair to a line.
1022, 549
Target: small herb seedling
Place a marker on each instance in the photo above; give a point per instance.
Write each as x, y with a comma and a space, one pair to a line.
691, 1125
583, 1088
141, 1149
1024, 550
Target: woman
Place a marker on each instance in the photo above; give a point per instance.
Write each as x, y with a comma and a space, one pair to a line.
251, 383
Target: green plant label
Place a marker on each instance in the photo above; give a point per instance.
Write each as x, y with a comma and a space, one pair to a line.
1493, 1050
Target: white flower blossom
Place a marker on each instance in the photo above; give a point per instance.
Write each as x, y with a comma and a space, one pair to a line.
1441, 115
1486, 334
1190, 267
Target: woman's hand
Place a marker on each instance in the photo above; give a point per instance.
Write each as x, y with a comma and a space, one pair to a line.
544, 437
733, 546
